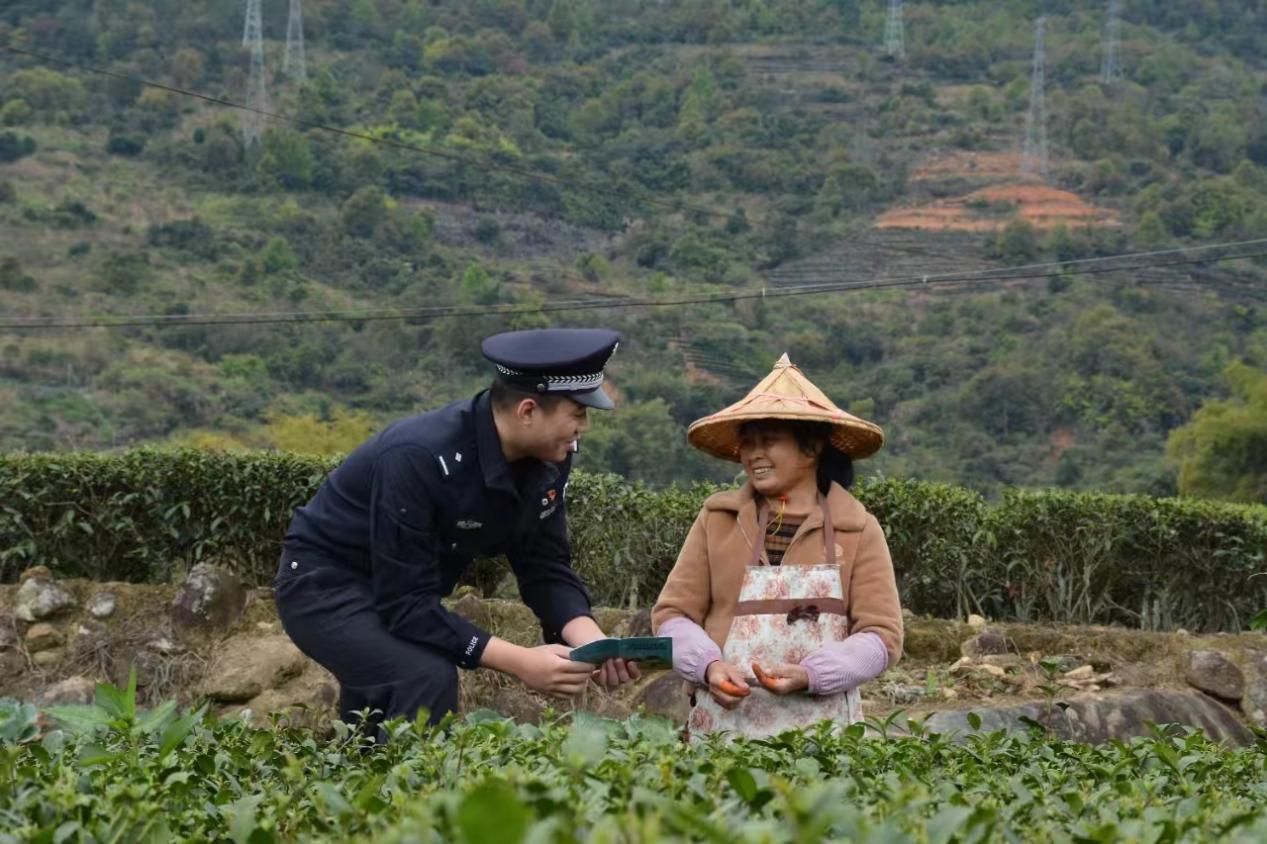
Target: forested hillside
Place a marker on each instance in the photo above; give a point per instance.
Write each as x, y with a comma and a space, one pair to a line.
514, 153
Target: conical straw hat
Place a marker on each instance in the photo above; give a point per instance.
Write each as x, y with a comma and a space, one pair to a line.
784, 394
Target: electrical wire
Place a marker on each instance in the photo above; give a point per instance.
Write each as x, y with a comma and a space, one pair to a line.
1018, 273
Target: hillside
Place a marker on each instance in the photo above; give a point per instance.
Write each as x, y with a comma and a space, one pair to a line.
527, 152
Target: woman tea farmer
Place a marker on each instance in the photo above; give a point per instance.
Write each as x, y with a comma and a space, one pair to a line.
783, 599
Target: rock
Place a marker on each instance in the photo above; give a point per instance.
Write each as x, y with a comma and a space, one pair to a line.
1254, 703
163, 645
992, 670
43, 637
89, 636
309, 700
1083, 672
638, 624
48, 658
471, 607
210, 601
665, 695
248, 665
102, 605
39, 598
907, 614
1001, 660
901, 694
8, 634
976, 622
74, 689
516, 703
35, 572
12, 663
1096, 719
1215, 674
1059, 662
984, 643
947, 693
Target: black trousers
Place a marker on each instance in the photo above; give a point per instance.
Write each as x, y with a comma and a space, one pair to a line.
329, 614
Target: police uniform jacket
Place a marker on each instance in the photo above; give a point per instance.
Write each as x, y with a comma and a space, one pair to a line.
411, 508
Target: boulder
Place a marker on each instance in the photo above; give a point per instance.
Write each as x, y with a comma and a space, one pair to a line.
74, 689
309, 699
39, 597
976, 622
43, 637
1254, 703
248, 665
1215, 674
638, 624
1100, 718
985, 643
210, 601
517, 703
664, 694
102, 605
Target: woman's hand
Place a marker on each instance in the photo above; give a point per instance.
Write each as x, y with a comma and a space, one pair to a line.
782, 679
726, 684
614, 673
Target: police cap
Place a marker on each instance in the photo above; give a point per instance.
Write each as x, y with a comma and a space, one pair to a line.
555, 361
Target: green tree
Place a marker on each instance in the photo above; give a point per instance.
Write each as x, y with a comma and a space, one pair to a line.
364, 212
287, 158
478, 286
1017, 243
1222, 452
1151, 232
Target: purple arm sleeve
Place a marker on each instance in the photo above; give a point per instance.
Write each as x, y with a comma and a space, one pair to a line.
693, 649
844, 665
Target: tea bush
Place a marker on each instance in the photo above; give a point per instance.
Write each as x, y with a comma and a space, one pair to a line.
149, 515
111, 772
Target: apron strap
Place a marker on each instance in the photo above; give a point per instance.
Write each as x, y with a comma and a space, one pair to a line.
763, 521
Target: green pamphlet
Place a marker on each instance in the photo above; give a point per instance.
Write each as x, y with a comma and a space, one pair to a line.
647, 651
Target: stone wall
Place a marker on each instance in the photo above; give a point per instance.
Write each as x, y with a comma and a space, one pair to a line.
209, 639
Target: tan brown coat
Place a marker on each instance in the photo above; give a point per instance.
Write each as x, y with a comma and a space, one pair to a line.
705, 581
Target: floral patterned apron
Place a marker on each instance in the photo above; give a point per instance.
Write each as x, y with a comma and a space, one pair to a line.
784, 614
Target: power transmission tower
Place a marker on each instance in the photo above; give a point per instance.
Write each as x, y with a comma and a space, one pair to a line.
294, 64
895, 32
256, 93
1111, 66
1034, 152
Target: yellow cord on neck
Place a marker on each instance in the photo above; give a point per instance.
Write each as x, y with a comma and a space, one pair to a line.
778, 519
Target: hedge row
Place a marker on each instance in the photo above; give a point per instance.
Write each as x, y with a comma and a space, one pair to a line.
149, 515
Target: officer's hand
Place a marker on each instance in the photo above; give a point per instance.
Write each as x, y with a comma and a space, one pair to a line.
726, 684
548, 670
615, 673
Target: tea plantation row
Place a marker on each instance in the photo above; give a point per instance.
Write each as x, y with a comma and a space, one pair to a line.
112, 774
150, 514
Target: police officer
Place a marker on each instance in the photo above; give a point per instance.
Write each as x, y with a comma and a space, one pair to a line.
392, 529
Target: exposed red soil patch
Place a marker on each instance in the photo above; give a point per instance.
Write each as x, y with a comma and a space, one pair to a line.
992, 208
973, 165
